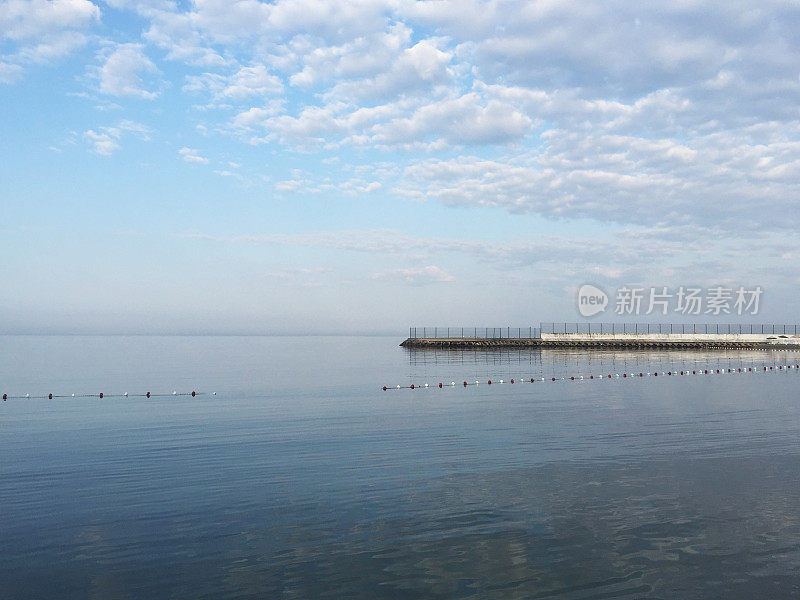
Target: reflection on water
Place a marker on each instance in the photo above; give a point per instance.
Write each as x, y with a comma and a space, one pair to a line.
438, 364
327, 487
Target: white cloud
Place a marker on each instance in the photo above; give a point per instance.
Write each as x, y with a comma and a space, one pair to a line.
177, 34
629, 179
28, 19
9, 73
464, 120
120, 73
417, 275
635, 254
251, 117
191, 156
409, 71
245, 83
106, 140
41, 31
103, 143
367, 55
252, 81
307, 186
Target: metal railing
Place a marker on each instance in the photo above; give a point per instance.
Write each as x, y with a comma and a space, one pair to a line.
602, 328
473, 332
671, 328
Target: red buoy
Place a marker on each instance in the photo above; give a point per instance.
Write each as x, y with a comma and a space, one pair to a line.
572, 378
440, 385
192, 393
412, 386
655, 374
465, 384
640, 375
148, 394
101, 394
5, 397
531, 379
554, 378
512, 381
49, 396
490, 382
624, 374
384, 388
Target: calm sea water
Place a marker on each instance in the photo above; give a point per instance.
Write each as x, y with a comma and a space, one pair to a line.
303, 479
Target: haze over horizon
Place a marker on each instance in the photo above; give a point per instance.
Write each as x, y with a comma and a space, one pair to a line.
308, 166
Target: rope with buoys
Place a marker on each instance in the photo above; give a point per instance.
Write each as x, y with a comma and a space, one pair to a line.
103, 395
612, 376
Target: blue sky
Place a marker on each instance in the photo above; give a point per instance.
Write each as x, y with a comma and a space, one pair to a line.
301, 165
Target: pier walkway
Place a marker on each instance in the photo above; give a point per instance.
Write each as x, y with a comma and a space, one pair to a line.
608, 335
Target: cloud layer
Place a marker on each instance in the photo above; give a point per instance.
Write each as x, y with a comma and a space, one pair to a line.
670, 132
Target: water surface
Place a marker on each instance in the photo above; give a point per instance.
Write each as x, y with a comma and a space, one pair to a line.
301, 478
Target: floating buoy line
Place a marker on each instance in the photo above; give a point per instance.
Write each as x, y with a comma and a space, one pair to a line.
750, 370
102, 395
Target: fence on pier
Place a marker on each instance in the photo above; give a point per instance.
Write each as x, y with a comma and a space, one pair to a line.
474, 332
603, 328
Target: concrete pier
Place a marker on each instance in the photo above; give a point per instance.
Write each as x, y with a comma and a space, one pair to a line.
618, 340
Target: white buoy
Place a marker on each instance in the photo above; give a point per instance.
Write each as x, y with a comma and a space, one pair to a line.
452, 383
125, 394
426, 385
174, 393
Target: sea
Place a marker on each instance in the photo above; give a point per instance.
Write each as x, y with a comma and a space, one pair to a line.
292, 474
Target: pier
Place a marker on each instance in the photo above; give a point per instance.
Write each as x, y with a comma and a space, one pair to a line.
609, 336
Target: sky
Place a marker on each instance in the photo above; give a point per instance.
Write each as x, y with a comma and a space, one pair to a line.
301, 166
